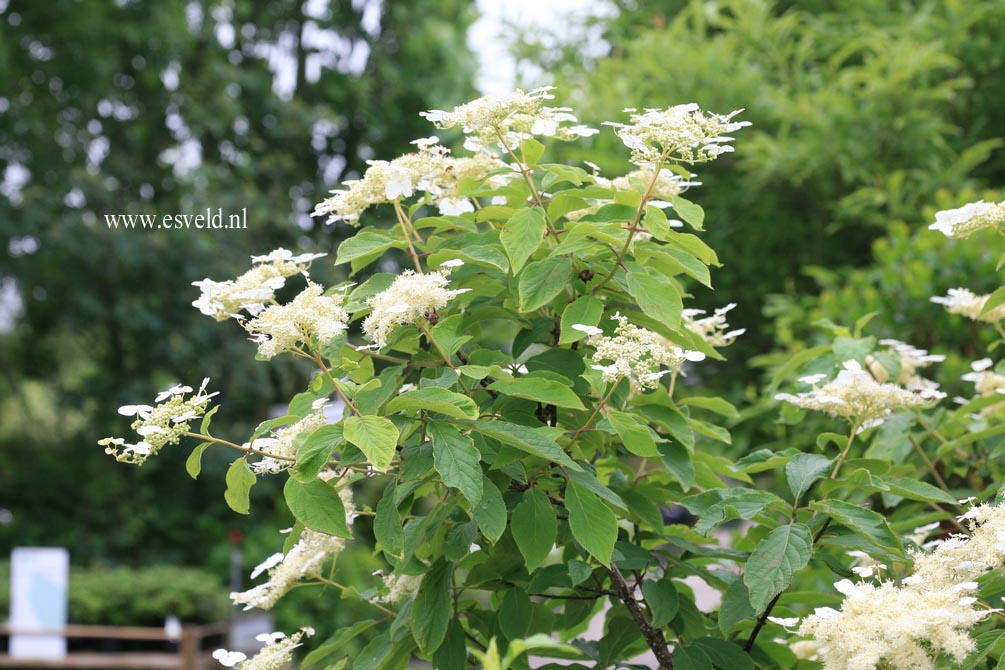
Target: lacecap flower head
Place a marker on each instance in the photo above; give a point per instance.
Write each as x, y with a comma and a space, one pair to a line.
409, 298
965, 221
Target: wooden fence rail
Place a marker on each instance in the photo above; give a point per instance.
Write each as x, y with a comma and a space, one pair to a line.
190, 654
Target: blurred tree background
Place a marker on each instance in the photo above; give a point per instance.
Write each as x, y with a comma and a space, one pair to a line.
868, 116
166, 107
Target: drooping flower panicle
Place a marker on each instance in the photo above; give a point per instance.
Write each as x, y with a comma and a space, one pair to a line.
409, 298
966, 220
967, 303
276, 654
160, 425
855, 395
431, 170
310, 317
253, 290
683, 132
713, 329
509, 118
305, 560
635, 353
904, 626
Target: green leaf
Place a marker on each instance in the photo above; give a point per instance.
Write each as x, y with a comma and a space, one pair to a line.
207, 420
490, 515
453, 653
677, 460
996, 299
777, 558
803, 470
565, 202
531, 151
589, 482
239, 479
375, 436
387, 528
434, 399
661, 598
316, 450
656, 222
534, 527
724, 654
515, 613
621, 632
522, 235
865, 523
914, 489
587, 311
635, 436
691, 213
457, 460
717, 405
337, 642
193, 464
538, 389
525, 439
365, 247
542, 280
853, 349
431, 608
593, 524
735, 607
655, 296
317, 505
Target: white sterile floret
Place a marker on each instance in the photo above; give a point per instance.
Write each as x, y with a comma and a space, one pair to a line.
507, 119
713, 329
666, 184
160, 425
254, 289
967, 303
854, 395
280, 443
431, 170
910, 360
906, 626
400, 587
682, 132
305, 560
636, 353
987, 382
276, 654
966, 220
410, 297
310, 318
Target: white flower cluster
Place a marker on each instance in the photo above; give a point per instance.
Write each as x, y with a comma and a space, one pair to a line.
160, 425
281, 442
410, 297
683, 132
986, 381
276, 654
856, 396
713, 329
967, 303
930, 612
254, 289
431, 169
311, 318
911, 359
667, 184
510, 118
305, 560
635, 353
400, 587
966, 220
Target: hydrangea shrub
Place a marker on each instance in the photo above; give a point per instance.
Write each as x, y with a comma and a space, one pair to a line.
519, 392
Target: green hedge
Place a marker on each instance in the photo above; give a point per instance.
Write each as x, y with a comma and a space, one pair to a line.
140, 597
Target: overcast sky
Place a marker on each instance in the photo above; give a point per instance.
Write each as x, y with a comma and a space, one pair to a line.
497, 72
